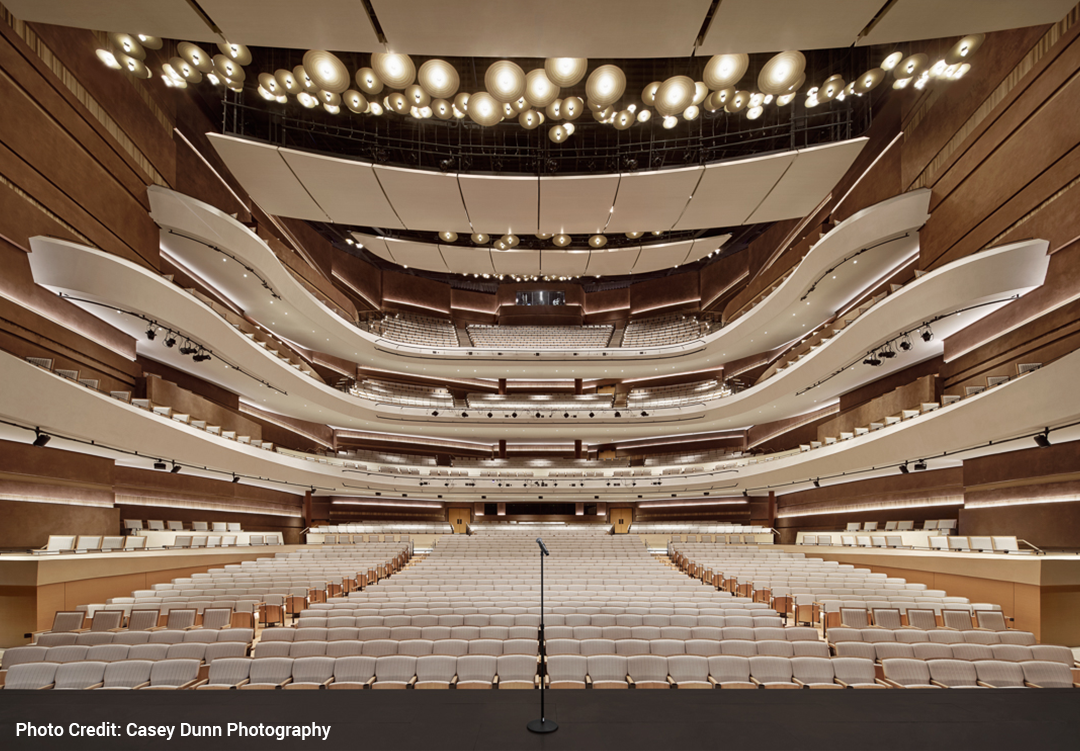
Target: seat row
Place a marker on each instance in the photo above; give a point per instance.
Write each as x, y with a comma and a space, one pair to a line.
416, 647
366, 633
938, 636
697, 646
881, 651
551, 620
146, 636
206, 653
905, 673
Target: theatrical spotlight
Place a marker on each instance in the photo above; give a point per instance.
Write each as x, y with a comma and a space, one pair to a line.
905, 343
435, 413
187, 349
888, 353
644, 414
1042, 439
170, 340
175, 468
151, 333
161, 465
872, 360
904, 468
927, 334
235, 478
817, 483
919, 466
42, 438
464, 414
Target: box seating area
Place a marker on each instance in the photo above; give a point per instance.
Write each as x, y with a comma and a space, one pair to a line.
541, 337
133, 525
58, 544
402, 393
527, 403
414, 329
684, 532
678, 395
661, 330
383, 531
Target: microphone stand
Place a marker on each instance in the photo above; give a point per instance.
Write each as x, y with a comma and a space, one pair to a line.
543, 725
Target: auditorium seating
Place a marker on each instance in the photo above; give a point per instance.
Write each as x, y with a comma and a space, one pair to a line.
402, 393
541, 337
420, 330
679, 395
661, 330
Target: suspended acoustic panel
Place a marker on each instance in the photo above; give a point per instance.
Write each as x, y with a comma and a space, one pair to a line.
657, 197
576, 205
347, 191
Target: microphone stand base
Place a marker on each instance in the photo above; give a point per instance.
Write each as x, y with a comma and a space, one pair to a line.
543, 726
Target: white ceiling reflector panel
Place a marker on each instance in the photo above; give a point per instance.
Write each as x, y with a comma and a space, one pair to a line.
729, 192
564, 262
576, 205
931, 19
317, 24
414, 255
658, 197
555, 28
376, 245
424, 200
753, 26
497, 205
612, 262
663, 256
172, 19
346, 190
815, 172
515, 261
706, 246
467, 259
267, 178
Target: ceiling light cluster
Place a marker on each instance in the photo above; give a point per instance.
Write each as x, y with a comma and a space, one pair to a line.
392, 83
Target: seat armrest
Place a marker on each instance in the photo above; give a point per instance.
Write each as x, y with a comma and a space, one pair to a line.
889, 682
371, 681
939, 684
671, 681
630, 681
840, 683
588, 680
984, 685
412, 682
96, 685
327, 682
713, 681
495, 682
536, 680
244, 682
883, 683
798, 683
755, 681
189, 684
201, 682
453, 681
116, 630
1029, 684
144, 684
285, 682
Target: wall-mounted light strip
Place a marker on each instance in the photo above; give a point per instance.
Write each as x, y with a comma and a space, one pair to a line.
59, 500
856, 508
671, 504
725, 289
136, 500
409, 303
1030, 501
357, 290
855, 184
409, 504
667, 305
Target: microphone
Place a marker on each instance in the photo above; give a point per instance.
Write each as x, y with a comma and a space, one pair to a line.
543, 548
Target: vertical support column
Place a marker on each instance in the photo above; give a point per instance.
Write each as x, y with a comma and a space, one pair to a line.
307, 508
577, 386
502, 448
577, 448
502, 386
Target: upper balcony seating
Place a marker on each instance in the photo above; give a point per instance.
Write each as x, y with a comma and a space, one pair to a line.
413, 329
541, 337
661, 330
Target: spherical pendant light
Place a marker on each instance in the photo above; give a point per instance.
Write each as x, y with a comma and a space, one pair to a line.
597, 241
723, 71
186, 70
268, 82
700, 92
565, 71
194, 54
786, 99
128, 44
394, 70
713, 102
624, 120
540, 91
229, 69
500, 245
648, 94
461, 101
153, 43
529, 119
911, 66
305, 81
558, 134
605, 85
737, 102
831, 89
901, 83
964, 49
505, 80
869, 80
571, 108
561, 240
569, 128
484, 109
508, 110
369, 82
237, 52
670, 121
329, 97
892, 60
417, 96
754, 112
510, 240
783, 70
691, 112
133, 65
634, 235
675, 95
375, 108
326, 70
355, 101
307, 100
439, 79
333, 109
398, 102
442, 109
448, 237
287, 81
107, 57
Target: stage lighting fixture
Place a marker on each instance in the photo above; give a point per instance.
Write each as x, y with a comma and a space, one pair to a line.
435, 413
175, 468
920, 465
151, 333
1042, 439
42, 438
927, 334
235, 478
170, 340
905, 343
817, 483
904, 468
161, 465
